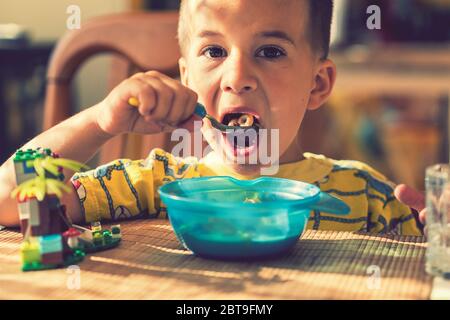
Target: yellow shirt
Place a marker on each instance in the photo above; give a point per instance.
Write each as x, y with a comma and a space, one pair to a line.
125, 189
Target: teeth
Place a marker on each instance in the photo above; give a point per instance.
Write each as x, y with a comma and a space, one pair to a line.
233, 123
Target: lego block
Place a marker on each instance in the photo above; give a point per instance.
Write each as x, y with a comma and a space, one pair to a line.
23, 168
41, 219
50, 243
30, 252
53, 202
116, 232
96, 226
58, 220
86, 234
24, 172
24, 223
24, 210
107, 236
98, 238
32, 206
24, 216
31, 154
53, 258
71, 237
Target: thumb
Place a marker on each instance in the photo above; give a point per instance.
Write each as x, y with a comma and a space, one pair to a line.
410, 197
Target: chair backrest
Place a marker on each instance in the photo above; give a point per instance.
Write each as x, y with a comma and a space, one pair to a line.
145, 41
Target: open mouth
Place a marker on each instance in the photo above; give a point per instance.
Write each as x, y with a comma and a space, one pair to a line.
241, 141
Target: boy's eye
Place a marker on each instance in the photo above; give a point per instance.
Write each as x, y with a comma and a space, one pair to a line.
214, 52
270, 52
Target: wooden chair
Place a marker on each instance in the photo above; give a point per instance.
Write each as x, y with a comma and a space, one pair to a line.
144, 41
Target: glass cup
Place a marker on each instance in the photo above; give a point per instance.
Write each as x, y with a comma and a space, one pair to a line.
437, 183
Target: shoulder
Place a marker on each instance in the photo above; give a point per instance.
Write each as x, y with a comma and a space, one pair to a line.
169, 167
160, 155
351, 170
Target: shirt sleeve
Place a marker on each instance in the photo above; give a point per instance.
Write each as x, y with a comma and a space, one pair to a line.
127, 189
386, 213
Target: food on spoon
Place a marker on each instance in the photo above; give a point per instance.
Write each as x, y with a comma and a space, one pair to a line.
245, 120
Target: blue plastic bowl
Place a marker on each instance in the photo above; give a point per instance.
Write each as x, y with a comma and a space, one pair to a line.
226, 218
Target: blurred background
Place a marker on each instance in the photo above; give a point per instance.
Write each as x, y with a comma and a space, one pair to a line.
389, 108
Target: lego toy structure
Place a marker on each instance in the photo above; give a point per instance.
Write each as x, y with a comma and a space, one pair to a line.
50, 239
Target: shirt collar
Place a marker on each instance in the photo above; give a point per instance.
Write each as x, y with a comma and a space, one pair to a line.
311, 169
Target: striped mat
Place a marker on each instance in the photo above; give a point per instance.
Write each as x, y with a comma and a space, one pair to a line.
150, 263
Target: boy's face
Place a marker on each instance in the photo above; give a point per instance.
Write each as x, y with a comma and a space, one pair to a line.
247, 56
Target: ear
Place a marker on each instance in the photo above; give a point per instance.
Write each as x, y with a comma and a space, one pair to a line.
183, 71
323, 84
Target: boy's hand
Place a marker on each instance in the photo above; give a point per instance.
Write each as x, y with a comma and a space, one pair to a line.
412, 198
164, 104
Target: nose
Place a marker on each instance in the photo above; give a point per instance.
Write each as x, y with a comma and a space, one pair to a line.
238, 76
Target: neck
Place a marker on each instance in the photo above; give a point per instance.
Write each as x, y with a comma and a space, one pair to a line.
293, 153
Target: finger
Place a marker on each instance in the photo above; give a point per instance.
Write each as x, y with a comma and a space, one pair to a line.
164, 98
187, 103
422, 216
189, 118
189, 108
410, 197
181, 97
146, 97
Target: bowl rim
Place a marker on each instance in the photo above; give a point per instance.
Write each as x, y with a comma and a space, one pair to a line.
183, 201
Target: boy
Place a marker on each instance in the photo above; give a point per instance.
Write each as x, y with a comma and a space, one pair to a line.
266, 60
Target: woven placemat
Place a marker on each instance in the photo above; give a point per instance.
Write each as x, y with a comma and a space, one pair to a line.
150, 263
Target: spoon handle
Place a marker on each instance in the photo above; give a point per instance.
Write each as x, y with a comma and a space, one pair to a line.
199, 108
199, 111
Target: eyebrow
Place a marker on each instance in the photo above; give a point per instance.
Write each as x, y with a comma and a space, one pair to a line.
209, 33
264, 34
276, 34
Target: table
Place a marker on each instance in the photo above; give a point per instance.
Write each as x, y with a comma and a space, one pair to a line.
150, 263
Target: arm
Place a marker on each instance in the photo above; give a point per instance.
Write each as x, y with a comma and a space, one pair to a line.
124, 188
164, 104
65, 138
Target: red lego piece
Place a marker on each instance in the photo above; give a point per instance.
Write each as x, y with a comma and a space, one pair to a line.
53, 258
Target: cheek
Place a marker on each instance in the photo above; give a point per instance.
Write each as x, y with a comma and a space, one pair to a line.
289, 120
206, 86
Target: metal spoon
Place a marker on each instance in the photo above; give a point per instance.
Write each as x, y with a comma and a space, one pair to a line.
201, 112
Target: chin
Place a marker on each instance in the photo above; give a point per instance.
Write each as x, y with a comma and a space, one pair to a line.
246, 169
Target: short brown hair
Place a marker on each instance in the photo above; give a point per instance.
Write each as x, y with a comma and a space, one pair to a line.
320, 15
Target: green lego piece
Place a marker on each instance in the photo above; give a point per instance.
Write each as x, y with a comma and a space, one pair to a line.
98, 238
28, 155
90, 247
72, 259
107, 236
30, 252
115, 229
